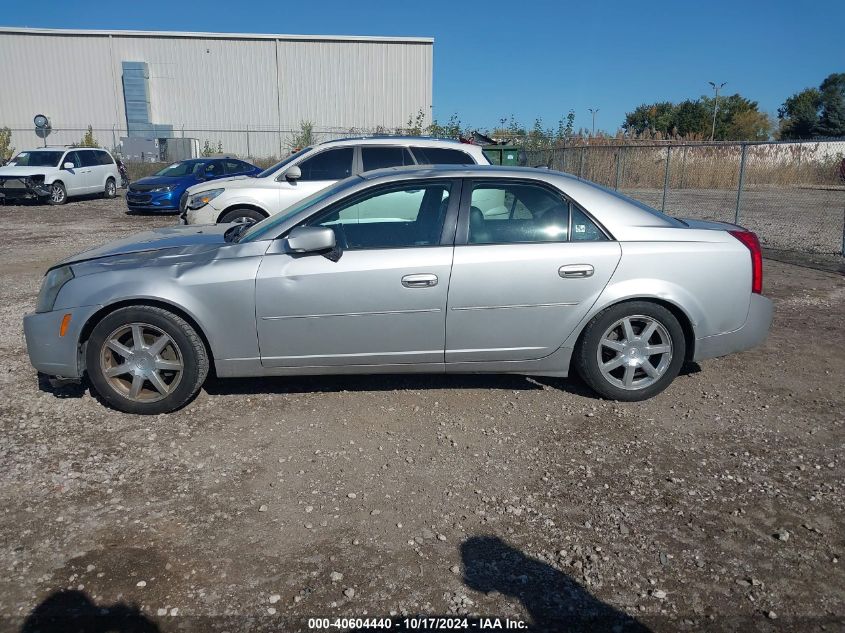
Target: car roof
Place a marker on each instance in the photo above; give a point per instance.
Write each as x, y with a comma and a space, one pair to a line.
464, 171
396, 139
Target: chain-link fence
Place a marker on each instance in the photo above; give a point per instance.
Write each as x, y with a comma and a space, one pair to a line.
791, 194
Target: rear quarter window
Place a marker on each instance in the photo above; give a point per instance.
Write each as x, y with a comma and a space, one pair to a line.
441, 156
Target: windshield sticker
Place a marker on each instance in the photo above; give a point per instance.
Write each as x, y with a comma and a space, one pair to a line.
580, 228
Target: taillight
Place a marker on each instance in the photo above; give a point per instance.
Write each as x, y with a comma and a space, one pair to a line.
750, 240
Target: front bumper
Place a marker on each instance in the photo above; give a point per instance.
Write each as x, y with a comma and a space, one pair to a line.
203, 215
22, 187
50, 353
751, 334
167, 202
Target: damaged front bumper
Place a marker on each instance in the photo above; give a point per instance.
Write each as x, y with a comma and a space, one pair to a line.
22, 187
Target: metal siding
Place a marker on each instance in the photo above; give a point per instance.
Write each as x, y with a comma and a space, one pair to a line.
214, 83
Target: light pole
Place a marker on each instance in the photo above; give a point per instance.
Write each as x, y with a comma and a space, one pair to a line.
716, 89
594, 112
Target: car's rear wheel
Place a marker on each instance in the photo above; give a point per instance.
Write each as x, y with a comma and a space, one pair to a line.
58, 193
111, 188
146, 360
242, 215
631, 351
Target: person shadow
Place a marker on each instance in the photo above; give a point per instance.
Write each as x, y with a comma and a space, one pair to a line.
553, 600
73, 611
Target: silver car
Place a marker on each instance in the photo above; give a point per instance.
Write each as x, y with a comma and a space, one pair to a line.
434, 269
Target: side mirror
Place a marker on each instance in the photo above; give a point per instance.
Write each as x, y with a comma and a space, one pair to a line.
293, 173
69, 165
310, 239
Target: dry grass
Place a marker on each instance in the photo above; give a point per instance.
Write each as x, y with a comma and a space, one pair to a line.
695, 166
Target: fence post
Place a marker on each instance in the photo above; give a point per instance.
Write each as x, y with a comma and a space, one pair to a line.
618, 167
741, 182
666, 178
581, 168
248, 153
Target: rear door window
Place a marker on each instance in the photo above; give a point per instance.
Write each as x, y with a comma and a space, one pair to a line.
441, 156
381, 157
236, 167
104, 158
89, 158
333, 164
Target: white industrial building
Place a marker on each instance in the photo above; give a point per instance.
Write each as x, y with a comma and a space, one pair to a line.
245, 92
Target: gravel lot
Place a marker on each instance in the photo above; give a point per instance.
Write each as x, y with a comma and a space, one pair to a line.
716, 506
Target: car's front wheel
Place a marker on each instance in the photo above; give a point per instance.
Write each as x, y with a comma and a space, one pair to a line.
631, 351
58, 193
146, 360
243, 215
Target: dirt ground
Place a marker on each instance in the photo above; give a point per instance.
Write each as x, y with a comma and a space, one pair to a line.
717, 505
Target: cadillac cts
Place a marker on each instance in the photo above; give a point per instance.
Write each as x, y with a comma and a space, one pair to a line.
420, 269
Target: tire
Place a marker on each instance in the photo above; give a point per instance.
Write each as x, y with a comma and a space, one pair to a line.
180, 366
241, 215
111, 188
58, 193
617, 365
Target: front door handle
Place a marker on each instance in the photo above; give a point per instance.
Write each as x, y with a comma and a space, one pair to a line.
421, 280
573, 271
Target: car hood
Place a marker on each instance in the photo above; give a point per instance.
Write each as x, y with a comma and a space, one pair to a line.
174, 240
232, 182
22, 171
161, 180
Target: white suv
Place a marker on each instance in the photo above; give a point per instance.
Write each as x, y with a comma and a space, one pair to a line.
246, 199
56, 173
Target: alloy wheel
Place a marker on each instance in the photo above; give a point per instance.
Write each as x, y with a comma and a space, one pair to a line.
57, 194
141, 362
634, 352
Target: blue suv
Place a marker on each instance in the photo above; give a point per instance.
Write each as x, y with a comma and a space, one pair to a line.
161, 192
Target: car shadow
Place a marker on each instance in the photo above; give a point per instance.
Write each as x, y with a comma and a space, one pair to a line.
62, 388
70, 610
392, 382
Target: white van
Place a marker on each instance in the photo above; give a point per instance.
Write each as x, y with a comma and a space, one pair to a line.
54, 174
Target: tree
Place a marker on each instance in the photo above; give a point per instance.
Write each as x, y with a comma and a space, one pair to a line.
799, 114
303, 138
88, 139
832, 119
650, 117
691, 119
6, 149
749, 125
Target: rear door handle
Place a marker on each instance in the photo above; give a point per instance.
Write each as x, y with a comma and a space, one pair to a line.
575, 270
421, 280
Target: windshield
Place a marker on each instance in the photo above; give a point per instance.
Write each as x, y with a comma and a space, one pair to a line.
177, 170
264, 229
272, 170
37, 159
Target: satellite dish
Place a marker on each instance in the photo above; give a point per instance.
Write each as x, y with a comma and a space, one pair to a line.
42, 126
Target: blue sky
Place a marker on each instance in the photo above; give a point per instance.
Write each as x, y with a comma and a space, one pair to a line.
498, 58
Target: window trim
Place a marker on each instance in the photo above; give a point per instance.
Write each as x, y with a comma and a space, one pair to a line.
450, 221
462, 232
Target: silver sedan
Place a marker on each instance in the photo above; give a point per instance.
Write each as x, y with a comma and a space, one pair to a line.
436, 269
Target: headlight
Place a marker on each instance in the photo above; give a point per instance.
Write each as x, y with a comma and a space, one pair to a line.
53, 282
163, 189
203, 198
